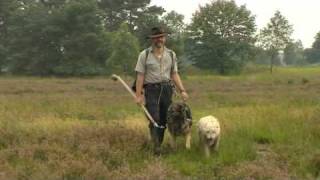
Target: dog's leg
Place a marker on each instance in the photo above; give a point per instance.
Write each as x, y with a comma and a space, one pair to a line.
216, 145
188, 140
173, 141
204, 144
206, 150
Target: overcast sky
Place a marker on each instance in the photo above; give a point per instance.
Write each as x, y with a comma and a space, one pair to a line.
303, 15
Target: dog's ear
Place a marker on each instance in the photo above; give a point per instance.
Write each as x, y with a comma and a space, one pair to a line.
174, 107
187, 112
177, 107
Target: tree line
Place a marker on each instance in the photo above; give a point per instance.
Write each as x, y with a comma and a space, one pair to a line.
94, 37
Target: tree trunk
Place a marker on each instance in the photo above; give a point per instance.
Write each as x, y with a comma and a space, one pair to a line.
271, 64
273, 55
222, 71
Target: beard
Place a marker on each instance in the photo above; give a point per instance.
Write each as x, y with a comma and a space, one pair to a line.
159, 44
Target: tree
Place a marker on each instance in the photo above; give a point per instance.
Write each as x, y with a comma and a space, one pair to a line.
32, 45
6, 9
2, 56
174, 24
125, 51
316, 43
293, 53
221, 36
313, 54
129, 11
138, 15
61, 39
83, 42
148, 19
276, 36
174, 21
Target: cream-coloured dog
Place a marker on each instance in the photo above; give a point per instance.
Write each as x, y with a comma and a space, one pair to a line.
209, 133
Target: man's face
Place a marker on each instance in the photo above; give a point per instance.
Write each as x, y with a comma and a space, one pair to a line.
159, 41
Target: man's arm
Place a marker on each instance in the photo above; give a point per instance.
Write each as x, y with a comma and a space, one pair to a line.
140, 69
177, 80
139, 86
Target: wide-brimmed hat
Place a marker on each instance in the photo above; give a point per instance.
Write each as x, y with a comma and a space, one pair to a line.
157, 32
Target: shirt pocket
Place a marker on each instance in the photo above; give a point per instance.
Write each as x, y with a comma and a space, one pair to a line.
152, 66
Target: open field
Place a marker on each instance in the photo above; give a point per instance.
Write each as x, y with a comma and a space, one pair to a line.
74, 129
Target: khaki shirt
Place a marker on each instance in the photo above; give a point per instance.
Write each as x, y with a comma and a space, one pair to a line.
156, 70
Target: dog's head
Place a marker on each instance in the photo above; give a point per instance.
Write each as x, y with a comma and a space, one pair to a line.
179, 117
210, 129
179, 112
212, 135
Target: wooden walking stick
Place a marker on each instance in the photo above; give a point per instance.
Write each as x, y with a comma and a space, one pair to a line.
118, 78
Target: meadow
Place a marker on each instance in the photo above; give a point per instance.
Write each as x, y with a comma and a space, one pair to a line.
90, 128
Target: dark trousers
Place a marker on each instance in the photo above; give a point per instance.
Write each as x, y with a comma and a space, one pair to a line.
158, 99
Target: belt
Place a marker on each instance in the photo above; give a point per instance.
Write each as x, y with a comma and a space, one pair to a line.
159, 84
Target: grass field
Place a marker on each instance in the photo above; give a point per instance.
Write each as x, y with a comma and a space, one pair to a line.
76, 129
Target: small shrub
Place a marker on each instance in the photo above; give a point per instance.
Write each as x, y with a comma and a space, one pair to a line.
290, 81
263, 140
315, 165
304, 81
40, 155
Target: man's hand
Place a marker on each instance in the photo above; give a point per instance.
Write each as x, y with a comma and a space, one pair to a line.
140, 100
184, 96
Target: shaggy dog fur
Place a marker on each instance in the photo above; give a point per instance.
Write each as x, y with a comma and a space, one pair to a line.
179, 122
209, 133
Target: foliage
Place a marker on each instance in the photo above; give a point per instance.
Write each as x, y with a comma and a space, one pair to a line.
6, 10
79, 37
275, 36
175, 26
150, 18
221, 36
293, 54
68, 40
313, 54
83, 42
125, 50
70, 37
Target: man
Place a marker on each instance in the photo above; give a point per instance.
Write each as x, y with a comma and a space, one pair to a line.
155, 68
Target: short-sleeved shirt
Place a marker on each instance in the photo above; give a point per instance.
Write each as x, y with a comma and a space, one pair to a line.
156, 70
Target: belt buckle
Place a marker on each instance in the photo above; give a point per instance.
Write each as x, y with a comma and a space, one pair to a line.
165, 83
